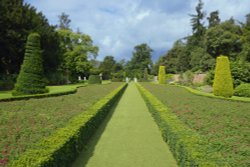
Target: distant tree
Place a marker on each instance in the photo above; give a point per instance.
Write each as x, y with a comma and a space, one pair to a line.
31, 77
77, 48
145, 75
64, 21
196, 20
245, 39
224, 39
141, 59
107, 67
213, 19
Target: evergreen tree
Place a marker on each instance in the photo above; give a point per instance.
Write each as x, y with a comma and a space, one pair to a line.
141, 59
31, 77
64, 21
196, 20
213, 19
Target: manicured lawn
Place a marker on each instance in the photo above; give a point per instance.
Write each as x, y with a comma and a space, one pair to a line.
225, 123
25, 122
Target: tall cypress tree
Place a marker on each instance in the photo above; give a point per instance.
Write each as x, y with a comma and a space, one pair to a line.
31, 77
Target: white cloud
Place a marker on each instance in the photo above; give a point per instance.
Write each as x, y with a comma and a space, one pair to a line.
116, 26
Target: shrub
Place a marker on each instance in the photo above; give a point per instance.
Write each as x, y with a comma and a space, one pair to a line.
94, 79
145, 75
243, 90
62, 147
31, 77
188, 147
161, 75
223, 83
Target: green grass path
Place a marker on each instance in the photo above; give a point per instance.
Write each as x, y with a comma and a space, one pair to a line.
128, 138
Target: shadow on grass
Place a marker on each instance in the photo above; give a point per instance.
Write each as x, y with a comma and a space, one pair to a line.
88, 151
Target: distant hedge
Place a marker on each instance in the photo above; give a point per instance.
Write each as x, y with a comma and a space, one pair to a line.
62, 147
243, 90
31, 77
188, 147
161, 75
223, 83
94, 79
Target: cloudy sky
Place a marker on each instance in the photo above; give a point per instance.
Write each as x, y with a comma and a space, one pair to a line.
116, 26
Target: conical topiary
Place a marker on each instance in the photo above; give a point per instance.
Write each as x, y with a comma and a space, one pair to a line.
223, 83
31, 77
161, 75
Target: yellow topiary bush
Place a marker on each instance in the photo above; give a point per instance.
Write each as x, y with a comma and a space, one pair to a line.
223, 83
161, 75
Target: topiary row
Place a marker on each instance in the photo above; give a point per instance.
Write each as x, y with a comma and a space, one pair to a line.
188, 147
31, 77
61, 148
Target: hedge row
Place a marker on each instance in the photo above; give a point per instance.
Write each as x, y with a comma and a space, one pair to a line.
38, 96
209, 95
61, 148
187, 146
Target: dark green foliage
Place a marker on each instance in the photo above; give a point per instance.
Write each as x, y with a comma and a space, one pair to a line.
196, 21
188, 147
141, 59
17, 21
107, 67
145, 75
61, 148
31, 78
224, 39
223, 83
94, 79
240, 72
242, 90
213, 19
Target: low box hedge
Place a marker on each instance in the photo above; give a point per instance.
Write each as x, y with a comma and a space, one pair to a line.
61, 148
38, 96
187, 146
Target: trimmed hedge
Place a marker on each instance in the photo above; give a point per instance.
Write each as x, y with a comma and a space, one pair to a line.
31, 78
161, 75
61, 148
94, 79
223, 83
187, 146
243, 90
38, 96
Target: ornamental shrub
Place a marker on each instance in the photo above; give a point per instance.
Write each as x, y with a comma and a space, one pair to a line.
223, 83
161, 75
94, 79
243, 90
31, 78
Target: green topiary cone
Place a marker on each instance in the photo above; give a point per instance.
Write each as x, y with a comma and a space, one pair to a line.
223, 83
31, 77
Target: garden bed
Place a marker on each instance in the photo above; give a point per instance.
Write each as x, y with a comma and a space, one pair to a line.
225, 124
25, 122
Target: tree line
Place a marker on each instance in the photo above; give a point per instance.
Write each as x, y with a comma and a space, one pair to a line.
198, 51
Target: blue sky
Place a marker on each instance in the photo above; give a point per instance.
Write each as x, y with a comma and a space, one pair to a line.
116, 26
